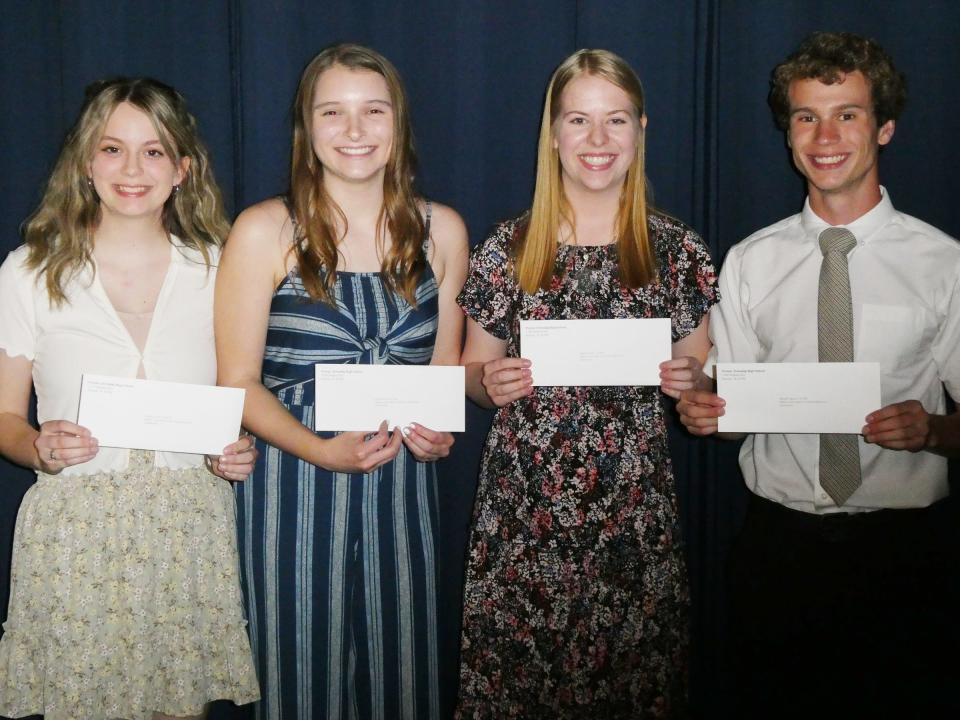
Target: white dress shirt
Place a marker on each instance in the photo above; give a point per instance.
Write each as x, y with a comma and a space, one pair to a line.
905, 287
85, 335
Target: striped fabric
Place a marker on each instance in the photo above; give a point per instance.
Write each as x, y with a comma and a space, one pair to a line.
339, 570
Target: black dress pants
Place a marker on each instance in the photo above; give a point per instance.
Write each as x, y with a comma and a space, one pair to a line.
848, 616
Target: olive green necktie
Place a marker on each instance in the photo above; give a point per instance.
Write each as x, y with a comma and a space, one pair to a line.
839, 454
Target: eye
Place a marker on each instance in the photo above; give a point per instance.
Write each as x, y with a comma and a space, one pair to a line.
804, 118
155, 153
618, 121
376, 111
110, 149
848, 116
578, 121
328, 113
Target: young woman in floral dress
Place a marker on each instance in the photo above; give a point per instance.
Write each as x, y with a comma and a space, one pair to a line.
125, 598
576, 600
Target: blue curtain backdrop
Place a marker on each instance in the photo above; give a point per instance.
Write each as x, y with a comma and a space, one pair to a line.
476, 71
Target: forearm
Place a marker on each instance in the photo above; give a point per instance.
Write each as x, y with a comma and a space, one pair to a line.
269, 420
17, 438
474, 385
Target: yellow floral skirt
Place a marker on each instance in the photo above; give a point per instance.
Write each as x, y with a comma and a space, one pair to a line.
125, 597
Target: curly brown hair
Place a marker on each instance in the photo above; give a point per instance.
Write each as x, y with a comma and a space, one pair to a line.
828, 56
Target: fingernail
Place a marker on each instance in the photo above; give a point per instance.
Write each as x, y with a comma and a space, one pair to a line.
406, 431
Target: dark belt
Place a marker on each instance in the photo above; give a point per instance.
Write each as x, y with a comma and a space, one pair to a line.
840, 526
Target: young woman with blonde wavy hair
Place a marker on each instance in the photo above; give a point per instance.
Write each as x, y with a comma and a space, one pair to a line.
337, 531
576, 598
125, 598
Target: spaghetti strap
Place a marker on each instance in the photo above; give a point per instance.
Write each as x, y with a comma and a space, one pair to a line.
428, 212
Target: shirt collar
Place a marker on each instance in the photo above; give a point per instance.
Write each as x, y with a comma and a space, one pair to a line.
862, 228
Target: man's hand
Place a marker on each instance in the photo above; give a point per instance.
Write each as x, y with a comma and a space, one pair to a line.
699, 411
901, 426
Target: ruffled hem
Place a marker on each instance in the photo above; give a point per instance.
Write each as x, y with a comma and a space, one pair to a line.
27, 689
125, 597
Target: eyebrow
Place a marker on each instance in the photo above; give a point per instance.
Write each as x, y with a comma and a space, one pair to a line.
328, 103
584, 112
845, 106
110, 138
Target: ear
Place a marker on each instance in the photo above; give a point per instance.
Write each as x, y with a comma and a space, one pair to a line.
643, 121
183, 169
885, 132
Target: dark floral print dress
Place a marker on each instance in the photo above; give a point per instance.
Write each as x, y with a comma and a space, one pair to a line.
576, 600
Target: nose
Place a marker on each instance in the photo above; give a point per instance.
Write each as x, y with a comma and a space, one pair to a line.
598, 134
354, 127
131, 164
827, 132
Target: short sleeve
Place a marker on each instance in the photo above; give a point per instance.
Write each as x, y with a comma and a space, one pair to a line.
691, 282
946, 345
17, 312
490, 291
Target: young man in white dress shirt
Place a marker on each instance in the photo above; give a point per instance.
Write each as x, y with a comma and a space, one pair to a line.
845, 601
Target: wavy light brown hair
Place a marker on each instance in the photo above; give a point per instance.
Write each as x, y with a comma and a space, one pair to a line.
59, 233
536, 248
318, 216
827, 57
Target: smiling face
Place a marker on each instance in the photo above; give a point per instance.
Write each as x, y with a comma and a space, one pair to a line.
352, 124
835, 141
131, 170
596, 134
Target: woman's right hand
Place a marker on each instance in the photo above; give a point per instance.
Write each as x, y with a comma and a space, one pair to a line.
507, 379
62, 443
361, 452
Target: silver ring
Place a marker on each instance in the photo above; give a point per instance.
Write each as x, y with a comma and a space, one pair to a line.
53, 454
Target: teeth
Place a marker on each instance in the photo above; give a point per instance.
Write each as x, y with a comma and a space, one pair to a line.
132, 188
828, 159
356, 150
597, 159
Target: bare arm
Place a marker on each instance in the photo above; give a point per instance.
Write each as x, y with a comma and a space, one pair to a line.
253, 263
449, 255
56, 445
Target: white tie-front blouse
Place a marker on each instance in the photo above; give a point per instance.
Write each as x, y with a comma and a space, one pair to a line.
85, 335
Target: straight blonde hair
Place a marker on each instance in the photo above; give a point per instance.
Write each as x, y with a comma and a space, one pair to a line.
317, 215
59, 233
536, 248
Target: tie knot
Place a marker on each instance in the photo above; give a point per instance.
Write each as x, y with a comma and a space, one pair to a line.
837, 239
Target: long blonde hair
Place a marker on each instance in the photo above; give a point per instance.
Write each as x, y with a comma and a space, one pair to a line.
59, 233
317, 215
536, 247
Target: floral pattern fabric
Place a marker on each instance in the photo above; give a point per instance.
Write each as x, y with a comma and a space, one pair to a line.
125, 597
576, 601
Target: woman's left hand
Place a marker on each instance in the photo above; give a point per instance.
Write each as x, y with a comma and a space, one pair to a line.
679, 374
237, 461
426, 445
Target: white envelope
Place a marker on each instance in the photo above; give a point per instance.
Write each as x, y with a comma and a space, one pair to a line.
595, 352
360, 397
156, 415
797, 397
